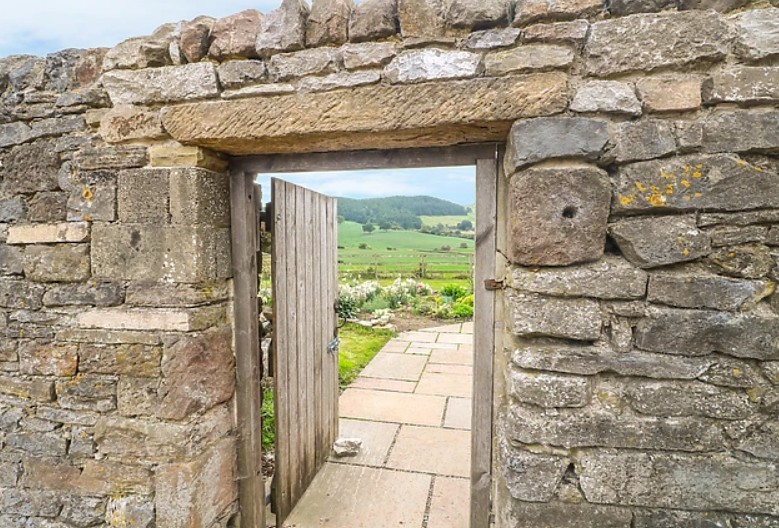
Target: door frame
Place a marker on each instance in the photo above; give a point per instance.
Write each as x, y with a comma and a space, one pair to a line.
245, 203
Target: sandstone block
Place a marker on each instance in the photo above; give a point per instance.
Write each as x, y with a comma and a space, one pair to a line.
83, 511
367, 55
328, 22
48, 233
532, 477
197, 493
163, 294
108, 337
139, 52
130, 511
235, 36
719, 182
762, 442
652, 242
66, 416
757, 34
534, 316
198, 196
740, 131
48, 359
743, 85
702, 482
20, 502
528, 58
137, 396
11, 260
548, 390
712, 291
606, 96
659, 398
642, 140
373, 20
669, 94
87, 393
14, 134
259, 90
732, 235
12, 209
530, 11
47, 207
180, 254
742, 218
9, 474
198, 374
608, 278
88, 294
421, 18
162, 85
48, 474
718, 5
38, 390
492, 39
181, 320
93, 196
415, 66
577, 428
389, 116
284, 29
288, 66
335, 81
194, 40
631, 7
39, 444
575, 137
143, 196
749, 261
21, 295
557, 217
89, 159
237, 73
106, 478
477, 14
31, 168
573, 33
133, 360
184, 156
59, 263
648, 42
131, 439
126, 123
566, 515
701, 332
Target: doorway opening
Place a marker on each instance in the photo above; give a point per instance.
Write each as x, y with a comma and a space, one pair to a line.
372, 364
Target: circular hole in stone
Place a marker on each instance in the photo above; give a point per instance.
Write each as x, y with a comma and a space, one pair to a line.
570, 212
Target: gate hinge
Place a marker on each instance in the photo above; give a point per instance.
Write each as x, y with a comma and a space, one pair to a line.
492, 284
334, 345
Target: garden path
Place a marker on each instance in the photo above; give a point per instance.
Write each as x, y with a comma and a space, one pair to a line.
411, 407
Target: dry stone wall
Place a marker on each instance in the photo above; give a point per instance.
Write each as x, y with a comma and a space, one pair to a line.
638, 379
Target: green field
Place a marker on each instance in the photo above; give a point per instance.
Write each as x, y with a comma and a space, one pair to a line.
351, 235
449, 221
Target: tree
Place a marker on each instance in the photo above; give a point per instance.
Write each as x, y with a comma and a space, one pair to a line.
368, 228
465, 225
385, 226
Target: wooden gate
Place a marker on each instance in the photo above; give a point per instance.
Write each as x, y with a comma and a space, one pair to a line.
305, 355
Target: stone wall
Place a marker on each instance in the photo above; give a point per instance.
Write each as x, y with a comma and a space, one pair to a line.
639, 374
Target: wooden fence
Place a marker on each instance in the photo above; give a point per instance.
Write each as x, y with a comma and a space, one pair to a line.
439, 265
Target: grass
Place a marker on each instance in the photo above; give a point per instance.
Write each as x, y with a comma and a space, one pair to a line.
448, 221
268, 421
351, 235
358, 347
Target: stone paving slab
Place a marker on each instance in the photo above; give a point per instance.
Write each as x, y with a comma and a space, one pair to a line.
344, 496
377, 438
452, 329
458, 413
419, 337
383, 406
432, 450
464, 339
394, 345
445, 384
452, 357
449, 507
384, 384
407, 367
420, 350
441, 368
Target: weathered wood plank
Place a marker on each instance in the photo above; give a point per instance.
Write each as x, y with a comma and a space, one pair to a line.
247, 353
332, 244
484, 342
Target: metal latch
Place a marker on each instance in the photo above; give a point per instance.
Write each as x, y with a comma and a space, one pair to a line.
334, 345
492, 284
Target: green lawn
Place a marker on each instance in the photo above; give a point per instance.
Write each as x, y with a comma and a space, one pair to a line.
449, 221
358, 346
351, 235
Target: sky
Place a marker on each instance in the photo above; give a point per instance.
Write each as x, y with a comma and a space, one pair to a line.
39, 27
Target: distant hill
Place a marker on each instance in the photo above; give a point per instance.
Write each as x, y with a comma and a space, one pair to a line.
399, 211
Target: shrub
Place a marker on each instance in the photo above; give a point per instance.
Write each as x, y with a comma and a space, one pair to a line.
460, 310
454, 291
464, 245
446, 248
363, 245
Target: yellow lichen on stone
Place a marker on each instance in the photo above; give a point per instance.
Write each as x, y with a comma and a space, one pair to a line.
640, 186
626, 200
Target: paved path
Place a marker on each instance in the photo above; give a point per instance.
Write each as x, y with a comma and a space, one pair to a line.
411, 406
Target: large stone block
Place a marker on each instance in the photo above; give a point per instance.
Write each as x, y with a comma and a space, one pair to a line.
31, 168
130, 511
47, 207
108, 337
328, 22
578, 428
701, 332
127, 123
143, 196
289, 66
748, 261
166, 295
48, 444
533, 316
284, 29
421, 18
670, 94
477, 14
92, 196
237, 73
97, 158
691, 290
197, 493
565, 515
660, 398
48, 359
179, 254
21, 502
609, 278
48, 233
199, 196
87, 294
235, 36
58, 263
335, 81
137, 396
548, 390
139, 52
741, 131
720, 182
530, 11
527, 59
557, 216
652, 41
643, 140
699, 482
762, 441
367, 55
194, 40
11, 260
652, 242
757, 34
531, 476
102, 477
181, 320
743, 84
535, 140
390, 116
21, 295
87, 393
175, 155
492, 39
12, 209
416, 66
131, 360
373, 20
198, 374
606, 96
130, 439
162, 85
